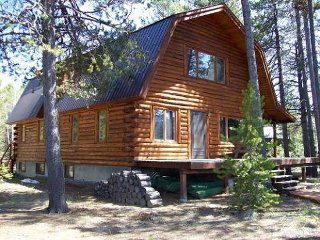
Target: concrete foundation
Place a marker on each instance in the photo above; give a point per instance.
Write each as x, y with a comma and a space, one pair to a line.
82, 172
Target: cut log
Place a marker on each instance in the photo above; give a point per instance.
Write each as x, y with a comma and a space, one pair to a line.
153, 195
154, 203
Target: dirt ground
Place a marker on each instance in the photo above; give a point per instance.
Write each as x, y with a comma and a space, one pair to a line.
22, 217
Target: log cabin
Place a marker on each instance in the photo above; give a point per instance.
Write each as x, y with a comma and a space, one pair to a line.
177, 111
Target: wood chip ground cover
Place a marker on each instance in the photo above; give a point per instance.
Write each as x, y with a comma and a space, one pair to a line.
22, 217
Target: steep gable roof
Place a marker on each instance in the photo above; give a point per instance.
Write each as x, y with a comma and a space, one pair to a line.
153, 40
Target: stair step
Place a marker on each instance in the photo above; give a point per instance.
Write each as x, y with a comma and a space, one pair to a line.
294, 188
281, 176
287, 182
278, 171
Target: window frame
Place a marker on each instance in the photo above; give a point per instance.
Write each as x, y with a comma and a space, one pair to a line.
215, 70
164, 140
226, 127
97, 125
37, 168
71, 128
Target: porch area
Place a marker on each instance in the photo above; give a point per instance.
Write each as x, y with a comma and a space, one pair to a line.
203, 166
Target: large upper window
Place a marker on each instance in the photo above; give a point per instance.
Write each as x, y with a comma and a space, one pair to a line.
228, 128
102, 125
205, 66
164, 124
74, 128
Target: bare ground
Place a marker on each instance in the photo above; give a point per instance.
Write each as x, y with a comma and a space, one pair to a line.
22, 216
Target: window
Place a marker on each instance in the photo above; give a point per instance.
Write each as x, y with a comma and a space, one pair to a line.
205, 66
74, 128
40, 168
228, 128
23, 133
69, 171
164, 124
41, 131
22, 166
102, 125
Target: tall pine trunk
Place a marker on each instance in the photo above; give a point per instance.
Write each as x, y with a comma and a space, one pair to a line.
310, 144
252, 64
285, 137
314, 54
56, 185
312, 171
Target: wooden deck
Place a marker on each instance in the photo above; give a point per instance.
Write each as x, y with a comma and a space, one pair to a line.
198, 166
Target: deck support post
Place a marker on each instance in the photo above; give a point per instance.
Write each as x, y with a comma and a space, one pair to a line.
183, 186
303, 174
274, 127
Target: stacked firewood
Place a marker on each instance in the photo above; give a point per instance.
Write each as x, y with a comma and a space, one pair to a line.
129, 187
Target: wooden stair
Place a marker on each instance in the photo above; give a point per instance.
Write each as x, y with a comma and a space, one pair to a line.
284, 183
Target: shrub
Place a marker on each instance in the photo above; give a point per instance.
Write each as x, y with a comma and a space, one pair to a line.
4, 172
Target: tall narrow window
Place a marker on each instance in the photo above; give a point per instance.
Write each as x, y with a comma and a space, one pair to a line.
164, 124
102, 123
41, 131
23, 133
170, 125
220, 70
75, 126
205, 66
192, 62
223, 129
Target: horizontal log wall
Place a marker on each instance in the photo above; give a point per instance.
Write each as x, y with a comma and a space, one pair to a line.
171, 88
116, 151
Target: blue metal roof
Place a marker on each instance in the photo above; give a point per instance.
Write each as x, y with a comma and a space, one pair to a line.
29, 102
149, 40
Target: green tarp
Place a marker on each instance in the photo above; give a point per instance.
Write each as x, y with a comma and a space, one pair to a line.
197, 189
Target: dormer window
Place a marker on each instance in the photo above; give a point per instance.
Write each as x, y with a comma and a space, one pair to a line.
205, 66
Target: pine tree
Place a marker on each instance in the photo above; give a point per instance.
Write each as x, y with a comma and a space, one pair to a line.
63, 37
253, 171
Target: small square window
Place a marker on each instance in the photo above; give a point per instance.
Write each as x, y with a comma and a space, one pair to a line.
40, 168
22, 166
69, 171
